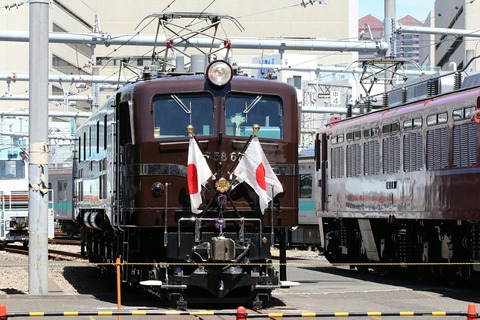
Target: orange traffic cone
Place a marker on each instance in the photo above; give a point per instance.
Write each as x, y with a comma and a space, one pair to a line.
3, 312
471, 313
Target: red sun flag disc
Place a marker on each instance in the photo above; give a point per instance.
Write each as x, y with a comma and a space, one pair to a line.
192, 178
260, 176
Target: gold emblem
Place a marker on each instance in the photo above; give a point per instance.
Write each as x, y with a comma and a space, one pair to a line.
222, 185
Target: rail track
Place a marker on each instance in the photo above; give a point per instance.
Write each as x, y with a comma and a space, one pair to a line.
53, 254
65, 241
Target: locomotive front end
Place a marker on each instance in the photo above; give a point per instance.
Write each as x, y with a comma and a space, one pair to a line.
202, 182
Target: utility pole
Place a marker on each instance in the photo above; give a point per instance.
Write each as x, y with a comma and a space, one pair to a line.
389, 27
38, 149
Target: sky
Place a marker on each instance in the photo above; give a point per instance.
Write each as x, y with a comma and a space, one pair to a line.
418, 9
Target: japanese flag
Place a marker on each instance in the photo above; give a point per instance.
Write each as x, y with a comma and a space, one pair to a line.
254, 169
198, 172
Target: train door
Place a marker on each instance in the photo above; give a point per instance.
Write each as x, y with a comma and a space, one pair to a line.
321, 167
321, 163
123, 136
307, 233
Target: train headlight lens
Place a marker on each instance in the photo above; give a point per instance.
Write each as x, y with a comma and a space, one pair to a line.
219, 73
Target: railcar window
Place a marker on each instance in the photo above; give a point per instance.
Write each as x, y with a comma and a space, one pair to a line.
62, 190
337, 139
391, 127
412, 124
243, 110
469, 112
355, 135
463, 113
438, 118
417, 123
370, 133
305, 185
174, 112
12, 169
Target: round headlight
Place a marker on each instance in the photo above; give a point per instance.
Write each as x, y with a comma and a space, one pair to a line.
219, 73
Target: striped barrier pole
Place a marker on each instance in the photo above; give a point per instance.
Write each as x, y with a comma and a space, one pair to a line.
241, 313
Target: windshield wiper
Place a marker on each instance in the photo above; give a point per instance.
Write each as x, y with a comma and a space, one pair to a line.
251, 105
181, 104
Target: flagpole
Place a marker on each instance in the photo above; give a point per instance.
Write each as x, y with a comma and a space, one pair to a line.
272, 234
191, 131
255, 129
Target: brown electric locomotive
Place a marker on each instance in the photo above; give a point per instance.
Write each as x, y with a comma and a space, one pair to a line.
398, 187
131, 191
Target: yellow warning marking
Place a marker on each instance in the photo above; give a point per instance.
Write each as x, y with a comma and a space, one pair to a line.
200, 313
275, 315
309, 314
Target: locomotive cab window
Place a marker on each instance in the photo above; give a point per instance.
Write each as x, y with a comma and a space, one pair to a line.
174, 112
242, 111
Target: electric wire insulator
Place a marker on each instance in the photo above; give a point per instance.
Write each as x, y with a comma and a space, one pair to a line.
457, 83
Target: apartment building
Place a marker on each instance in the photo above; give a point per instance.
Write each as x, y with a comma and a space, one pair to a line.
407, 45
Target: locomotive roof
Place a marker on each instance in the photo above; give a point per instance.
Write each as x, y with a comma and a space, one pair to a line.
391, 112
191, 83
237, 82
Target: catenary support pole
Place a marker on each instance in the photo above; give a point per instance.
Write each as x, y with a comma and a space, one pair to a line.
389, 26
38, 148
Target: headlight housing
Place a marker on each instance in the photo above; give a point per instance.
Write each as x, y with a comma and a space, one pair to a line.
219, 73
